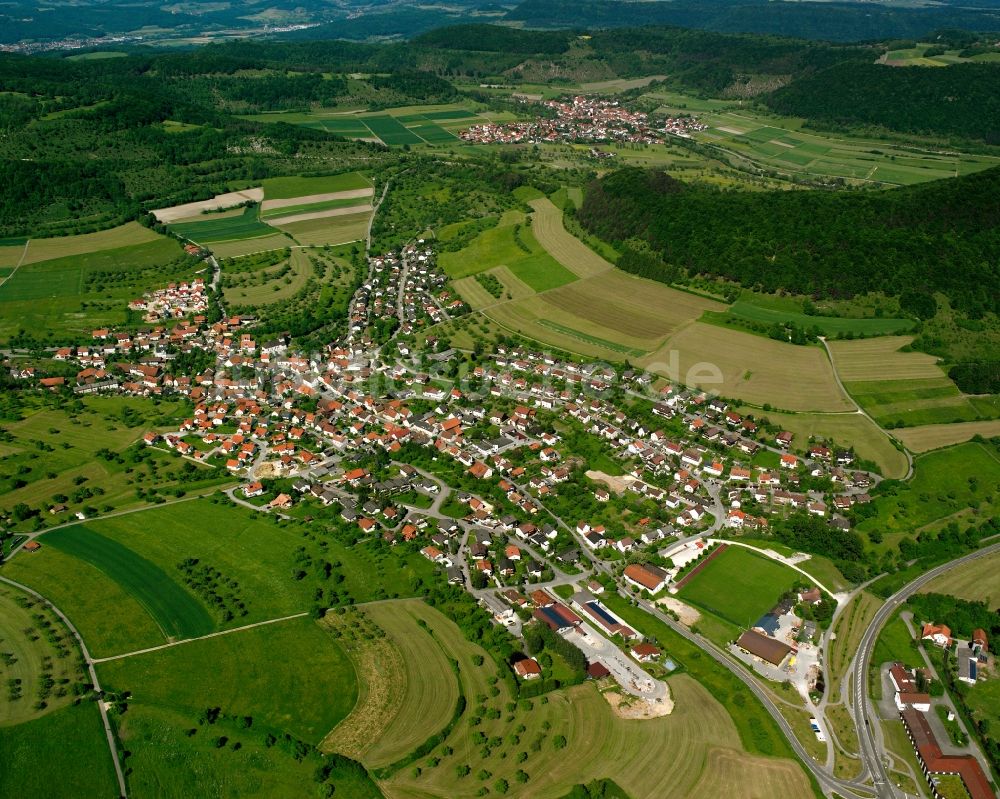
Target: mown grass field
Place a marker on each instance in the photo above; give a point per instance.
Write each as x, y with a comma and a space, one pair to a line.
739, 586
322, 205
63, 755
26, 649
407, 688
638, 308
415, 125
84, 593
234, 249
848, 630
936, 436
286, 678
176, 612
894, 645
848, 429
950, 483
136, 556
513, 245
547, 225
978, 581
755, 369
265, 291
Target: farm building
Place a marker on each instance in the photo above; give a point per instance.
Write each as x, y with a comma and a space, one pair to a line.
650, 578
760, 646
932, 761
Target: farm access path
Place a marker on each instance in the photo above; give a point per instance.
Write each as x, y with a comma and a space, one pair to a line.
863, 412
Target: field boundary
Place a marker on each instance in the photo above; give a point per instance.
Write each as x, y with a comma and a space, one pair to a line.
216, 634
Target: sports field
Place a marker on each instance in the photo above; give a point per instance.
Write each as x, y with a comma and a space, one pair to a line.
62, 755
900, 387
739, 586
758, 370
869, 441
245, 226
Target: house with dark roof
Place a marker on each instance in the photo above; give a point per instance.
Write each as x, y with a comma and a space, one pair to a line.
769, 650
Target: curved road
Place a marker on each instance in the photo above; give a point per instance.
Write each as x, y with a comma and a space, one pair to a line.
863, 412
109, 734
865, 718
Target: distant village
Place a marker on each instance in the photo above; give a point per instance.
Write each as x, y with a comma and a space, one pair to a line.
582, 119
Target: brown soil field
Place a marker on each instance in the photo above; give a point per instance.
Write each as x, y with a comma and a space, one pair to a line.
755, 369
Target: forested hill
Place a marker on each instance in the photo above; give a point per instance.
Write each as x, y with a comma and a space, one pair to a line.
833, 21
962, 99
942, 236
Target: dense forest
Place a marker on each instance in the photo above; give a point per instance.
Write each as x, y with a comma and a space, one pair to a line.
962, 100
937, 237
835, 21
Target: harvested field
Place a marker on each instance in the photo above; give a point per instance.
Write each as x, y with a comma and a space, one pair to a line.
219, 201
978, 581
547, 225
123, 236
324, 214
330, 230
880, 359
935, 436
473, 292
847, 429
238, 247
724, 775
535, 318
756, 369
639, 308
310, 199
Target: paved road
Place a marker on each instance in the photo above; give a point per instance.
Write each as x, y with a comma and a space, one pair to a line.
864, 713
108, 733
